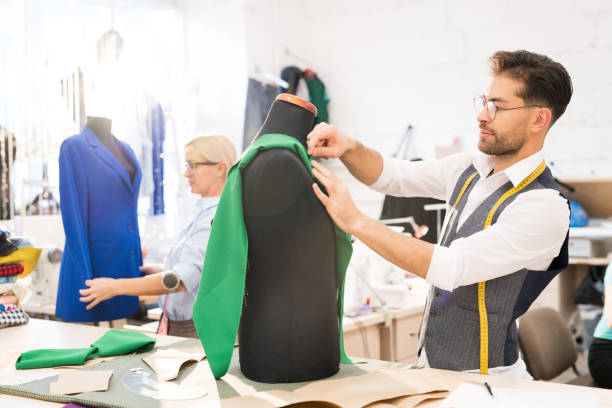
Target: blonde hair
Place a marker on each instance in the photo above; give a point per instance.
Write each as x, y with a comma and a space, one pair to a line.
216, 148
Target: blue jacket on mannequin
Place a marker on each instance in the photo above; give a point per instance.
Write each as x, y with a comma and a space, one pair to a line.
99, 212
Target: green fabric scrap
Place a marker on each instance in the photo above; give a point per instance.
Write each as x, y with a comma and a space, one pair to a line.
43, 358
118, 342
112, 343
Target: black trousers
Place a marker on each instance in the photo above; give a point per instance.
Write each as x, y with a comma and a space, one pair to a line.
600, 362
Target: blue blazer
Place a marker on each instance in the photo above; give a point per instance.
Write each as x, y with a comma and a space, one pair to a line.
99, 212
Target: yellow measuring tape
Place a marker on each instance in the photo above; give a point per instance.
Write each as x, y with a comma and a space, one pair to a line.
482, 308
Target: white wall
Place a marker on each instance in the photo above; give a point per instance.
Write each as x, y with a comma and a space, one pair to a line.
388, 63
216, 61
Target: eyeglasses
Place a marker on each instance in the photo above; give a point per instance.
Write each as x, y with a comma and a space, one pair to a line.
191, 165
481, 102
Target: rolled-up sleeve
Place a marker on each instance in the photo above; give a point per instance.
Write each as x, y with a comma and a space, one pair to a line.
528, 234
428, 178
191, 259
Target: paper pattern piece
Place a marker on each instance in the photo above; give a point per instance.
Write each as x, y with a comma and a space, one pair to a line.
390, 388
167, 363
88, 363
476, 396
78, 381
410, 401
379, 385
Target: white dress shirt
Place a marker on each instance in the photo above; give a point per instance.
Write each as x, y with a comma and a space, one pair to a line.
186, 258
528, 233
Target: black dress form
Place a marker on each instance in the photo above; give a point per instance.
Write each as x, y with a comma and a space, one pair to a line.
102, 129
289, 326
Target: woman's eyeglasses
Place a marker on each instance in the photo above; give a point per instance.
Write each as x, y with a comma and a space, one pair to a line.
191, 165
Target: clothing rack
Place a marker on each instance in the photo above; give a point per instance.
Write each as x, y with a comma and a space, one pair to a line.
298, 61
260, 74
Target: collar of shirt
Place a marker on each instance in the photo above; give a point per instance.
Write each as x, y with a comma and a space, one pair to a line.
204, 203
484, 165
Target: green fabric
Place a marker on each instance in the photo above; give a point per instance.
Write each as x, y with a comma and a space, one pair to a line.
218, 306
117, 342
112, 343
54, 357
319, 98
604, 329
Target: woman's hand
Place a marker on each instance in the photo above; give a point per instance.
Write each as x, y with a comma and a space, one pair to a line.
151, 269
98, 290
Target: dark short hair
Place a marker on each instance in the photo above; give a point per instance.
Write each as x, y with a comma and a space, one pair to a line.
545, 81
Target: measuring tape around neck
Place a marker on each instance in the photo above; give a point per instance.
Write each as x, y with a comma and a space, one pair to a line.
482, 308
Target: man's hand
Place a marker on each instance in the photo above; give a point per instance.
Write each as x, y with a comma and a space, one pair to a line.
151, 269
100, 289
338, 203
325, 141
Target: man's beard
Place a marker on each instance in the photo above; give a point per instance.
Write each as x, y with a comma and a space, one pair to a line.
505, 144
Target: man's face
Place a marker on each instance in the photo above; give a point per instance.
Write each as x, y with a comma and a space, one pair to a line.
507, 133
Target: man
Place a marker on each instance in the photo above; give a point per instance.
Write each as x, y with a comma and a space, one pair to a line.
505, 233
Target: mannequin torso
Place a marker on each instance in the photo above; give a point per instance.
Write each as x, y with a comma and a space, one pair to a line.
101, 127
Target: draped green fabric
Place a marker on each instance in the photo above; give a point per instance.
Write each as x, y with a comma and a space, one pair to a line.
218, 306
112, 343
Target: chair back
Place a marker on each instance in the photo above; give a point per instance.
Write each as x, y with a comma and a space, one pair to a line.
546, 342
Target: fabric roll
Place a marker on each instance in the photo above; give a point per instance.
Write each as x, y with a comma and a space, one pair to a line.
11, 269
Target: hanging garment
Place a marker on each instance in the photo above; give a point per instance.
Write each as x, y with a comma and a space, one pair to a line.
99, 212
43, 204
8, 150
318, 96
158, 135
292, 75
112, 343
258, 101
218, 307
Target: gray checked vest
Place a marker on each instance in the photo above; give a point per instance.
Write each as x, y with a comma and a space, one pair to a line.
452, 333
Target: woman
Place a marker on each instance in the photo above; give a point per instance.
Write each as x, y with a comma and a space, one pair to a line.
600, 353
208, 160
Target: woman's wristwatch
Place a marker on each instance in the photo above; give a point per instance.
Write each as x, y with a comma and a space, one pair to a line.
170, 280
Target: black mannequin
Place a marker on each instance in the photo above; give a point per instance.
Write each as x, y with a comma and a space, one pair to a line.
289, 119
289, 326
101, 127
